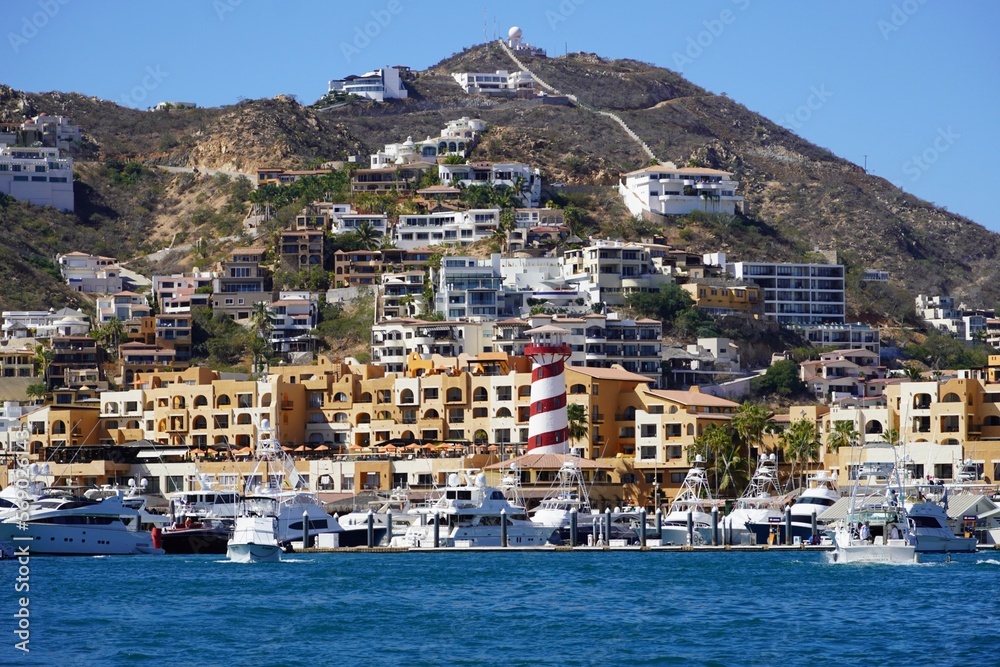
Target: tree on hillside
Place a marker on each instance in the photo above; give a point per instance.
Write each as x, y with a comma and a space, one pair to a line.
781, 378
366, 235
43, 358
664, 305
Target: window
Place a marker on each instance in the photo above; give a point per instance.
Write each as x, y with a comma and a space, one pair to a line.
648, 431
647, 452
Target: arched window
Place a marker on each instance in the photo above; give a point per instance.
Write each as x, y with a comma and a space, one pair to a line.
432, 414
179, 403
873, 427
503, 412
265, 400
200, 401
690, 429
384, 415
479, 394
524, 392
243, 418
951, 397
577, 389
364, 418
454, 395
992, 420
111, 408
58, 428
406, 396
340, 417
481, 437
340, 397
200, 423
222, 401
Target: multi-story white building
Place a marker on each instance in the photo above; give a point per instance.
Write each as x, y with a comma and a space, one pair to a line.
457, 227
469, 288
379, 85
91, 274
43, 323
345, 223
52, 131
539, 281
670, 190
400, 295
10, 424
611, 270
797, 293
293, 317
841, 336
496, 174
393, 341
124, 306
596, 341
178, 292
942, 313
500, 82
457, 138
37, 175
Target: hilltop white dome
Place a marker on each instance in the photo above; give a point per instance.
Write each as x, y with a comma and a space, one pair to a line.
514, 33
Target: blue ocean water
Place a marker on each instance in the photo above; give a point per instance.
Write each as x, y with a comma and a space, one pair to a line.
580, 608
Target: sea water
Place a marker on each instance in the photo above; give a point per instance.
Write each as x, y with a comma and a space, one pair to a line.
518, 608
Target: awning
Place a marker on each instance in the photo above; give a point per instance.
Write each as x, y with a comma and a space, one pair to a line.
163, 451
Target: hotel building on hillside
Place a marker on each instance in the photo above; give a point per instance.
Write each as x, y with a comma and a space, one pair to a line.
666, 189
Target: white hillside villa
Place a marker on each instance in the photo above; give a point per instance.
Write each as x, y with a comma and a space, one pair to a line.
37, 175
456, 227
670, 190
457, 138
494, 83
379, 85
496, 174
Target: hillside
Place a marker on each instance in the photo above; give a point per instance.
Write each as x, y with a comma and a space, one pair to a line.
799, 196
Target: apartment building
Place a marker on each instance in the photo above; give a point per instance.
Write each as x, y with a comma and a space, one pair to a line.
72, 352
123, 306
460, 228
797, 293
293, 317
524, 178
400, 295
468, 288
364, 267
855, 335
180, 292
91, 274
240, 283
611, 270
726, 298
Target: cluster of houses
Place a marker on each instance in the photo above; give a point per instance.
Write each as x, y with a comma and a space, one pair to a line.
961, 321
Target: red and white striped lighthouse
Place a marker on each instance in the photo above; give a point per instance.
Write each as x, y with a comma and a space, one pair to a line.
548, 424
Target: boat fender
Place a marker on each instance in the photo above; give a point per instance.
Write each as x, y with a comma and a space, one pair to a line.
157, 537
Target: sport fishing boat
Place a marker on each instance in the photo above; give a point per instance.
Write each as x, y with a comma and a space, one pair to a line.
760, 502
254, 539
694, 499
470, 513
821, 494
874, 530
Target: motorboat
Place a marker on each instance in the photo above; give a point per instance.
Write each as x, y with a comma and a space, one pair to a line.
23, 489
68, 525
760, 502
694, 500
819, 495
395, 507
297, 511
254, 540
927, 524
472, 514
201, 521
874, 530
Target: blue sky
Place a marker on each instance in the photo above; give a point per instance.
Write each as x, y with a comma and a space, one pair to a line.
912, 84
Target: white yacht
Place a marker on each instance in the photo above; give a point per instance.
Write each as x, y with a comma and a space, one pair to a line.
875, 529
68, 525
276, 479
929, 530
694, 497
760, 502
820, 495
254, 540
469, 514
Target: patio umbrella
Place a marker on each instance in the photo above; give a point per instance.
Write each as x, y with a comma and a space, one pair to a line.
391, 449
245, 451
322, 448
299, 449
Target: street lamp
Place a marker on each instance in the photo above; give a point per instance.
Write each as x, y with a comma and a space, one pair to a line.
656, 495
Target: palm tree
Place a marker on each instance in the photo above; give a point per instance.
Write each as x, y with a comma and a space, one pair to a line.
749, 423
576, 414
716, 446
43, 357
843, 435
801, 443
260, 319
891, 437
367, 235
259, 349
114, 331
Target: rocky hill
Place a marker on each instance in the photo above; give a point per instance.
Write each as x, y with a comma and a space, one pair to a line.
799, 196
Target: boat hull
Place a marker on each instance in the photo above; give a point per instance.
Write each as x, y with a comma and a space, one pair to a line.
679, 535
944, 544
253, 553
851, 550
85, 540
196, 540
